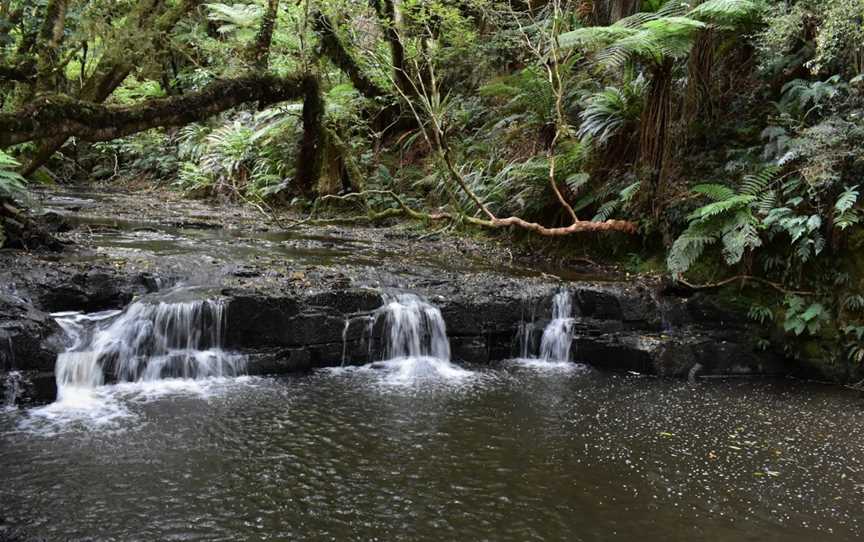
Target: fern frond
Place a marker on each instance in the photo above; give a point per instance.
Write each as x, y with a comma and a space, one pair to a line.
12, 185
721, 207
727, 12
686, 250
847, 199
755, 185
716, 192
593, 37
577, 181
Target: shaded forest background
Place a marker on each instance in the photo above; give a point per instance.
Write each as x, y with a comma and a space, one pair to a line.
720, 143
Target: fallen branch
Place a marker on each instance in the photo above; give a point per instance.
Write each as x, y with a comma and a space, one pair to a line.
402, 210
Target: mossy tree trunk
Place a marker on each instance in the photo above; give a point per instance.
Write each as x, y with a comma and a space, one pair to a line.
259, 51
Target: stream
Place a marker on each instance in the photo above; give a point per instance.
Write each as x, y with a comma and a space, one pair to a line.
159, 432
513, 453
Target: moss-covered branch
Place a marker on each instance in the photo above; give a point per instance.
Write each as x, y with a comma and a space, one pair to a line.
59, 116
332, 47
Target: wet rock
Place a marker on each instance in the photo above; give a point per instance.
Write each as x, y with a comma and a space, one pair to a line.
29, 338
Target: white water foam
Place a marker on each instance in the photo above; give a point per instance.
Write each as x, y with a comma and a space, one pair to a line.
414, 342
556, 341
153, 348
112, 407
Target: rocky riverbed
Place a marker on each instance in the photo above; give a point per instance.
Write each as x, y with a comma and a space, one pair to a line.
296, 299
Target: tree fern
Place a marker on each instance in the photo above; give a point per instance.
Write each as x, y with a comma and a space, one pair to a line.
728, 12
655, 36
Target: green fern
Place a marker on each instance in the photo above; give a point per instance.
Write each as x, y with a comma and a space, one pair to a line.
687, 249
611, 111
12, 185
728, 12
235, 18
655, 36
607, 210
755, 185
847, 215
716, 192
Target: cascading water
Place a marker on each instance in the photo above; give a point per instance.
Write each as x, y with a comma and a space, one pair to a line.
557, 339
11, 388
150, 340
414, 328
414, 340
558, 335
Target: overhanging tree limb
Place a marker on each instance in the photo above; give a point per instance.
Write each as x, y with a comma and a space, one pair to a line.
22, 72
331, 47
56, 116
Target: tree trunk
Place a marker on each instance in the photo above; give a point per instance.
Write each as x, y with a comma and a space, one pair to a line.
655, 128
606, 12
259, 52
383, 116
331, 47
387, 14
698, 100
311, 157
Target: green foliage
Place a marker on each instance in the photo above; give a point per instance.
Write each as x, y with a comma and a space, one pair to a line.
730, 13
527, 97
733, 218
247, 156
612, 111
238, 19
788, 40
12, 185
802, 317
760, 313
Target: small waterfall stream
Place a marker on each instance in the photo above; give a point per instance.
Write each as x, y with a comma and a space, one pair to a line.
415, 328
557, 339
149, 340
558, 335
11, 389
413, 339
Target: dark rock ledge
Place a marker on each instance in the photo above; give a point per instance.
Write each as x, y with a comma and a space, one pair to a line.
288, 327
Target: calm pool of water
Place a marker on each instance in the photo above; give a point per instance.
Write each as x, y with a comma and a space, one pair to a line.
516, 453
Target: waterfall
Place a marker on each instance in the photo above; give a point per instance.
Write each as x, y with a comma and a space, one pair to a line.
557, 339
11, 389
414, 328
413, 340
149, 340
558, 335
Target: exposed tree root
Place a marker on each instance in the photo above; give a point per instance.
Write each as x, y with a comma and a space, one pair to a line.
743, 278
404, 210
